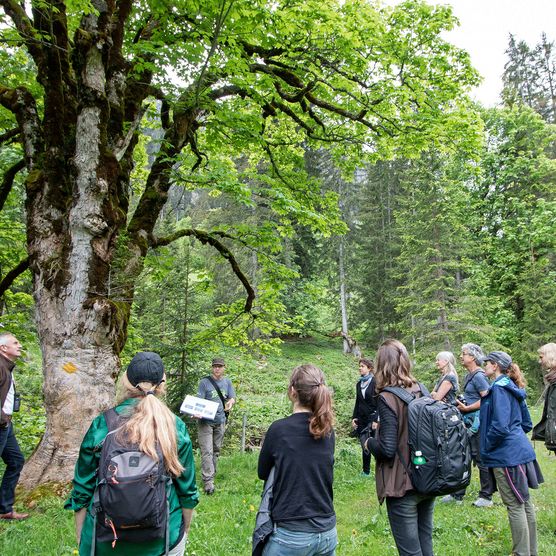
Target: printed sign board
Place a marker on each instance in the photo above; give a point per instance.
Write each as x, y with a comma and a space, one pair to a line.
199, 407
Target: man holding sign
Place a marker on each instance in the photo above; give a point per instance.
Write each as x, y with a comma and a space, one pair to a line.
216, 388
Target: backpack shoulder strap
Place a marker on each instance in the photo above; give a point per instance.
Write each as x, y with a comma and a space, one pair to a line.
400, 392
218, 391
424, 390
112, 419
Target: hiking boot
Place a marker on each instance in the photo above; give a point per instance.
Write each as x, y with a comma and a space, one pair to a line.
209, 490
365, 475
14, 515
483, 503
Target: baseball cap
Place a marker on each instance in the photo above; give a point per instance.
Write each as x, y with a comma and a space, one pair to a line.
218, 362
501, 357
146, 366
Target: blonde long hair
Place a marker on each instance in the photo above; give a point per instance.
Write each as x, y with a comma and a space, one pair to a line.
449, 357
151, 424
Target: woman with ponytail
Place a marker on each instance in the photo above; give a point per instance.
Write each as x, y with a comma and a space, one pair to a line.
300, 448
144, 421
506, 450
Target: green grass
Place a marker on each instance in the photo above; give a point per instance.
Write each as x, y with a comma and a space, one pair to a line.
223, 523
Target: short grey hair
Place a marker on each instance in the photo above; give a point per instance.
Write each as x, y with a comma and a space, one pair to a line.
4, 337
475, 351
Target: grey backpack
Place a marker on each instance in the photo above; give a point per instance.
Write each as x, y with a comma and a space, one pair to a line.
130, 502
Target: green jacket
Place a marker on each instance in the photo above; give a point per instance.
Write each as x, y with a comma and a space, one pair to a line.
182, 494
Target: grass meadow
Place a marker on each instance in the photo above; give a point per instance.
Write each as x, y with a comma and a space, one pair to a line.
223, 523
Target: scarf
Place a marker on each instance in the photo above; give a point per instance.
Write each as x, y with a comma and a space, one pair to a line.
550, 376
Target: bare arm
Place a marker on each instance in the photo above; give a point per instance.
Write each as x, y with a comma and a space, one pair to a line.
443, 389
79, 520
187, 517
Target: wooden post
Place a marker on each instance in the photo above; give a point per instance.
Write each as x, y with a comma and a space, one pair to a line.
243, 429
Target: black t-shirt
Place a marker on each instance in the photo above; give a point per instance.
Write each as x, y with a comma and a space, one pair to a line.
304, 472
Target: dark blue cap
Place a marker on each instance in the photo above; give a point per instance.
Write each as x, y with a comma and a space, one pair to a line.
146, 366
501, 357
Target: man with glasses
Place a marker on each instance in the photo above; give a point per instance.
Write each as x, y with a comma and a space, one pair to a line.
475, 387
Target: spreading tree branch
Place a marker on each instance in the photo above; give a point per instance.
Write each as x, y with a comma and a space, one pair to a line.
207, 238
119, 154
123, 9
10, 277
24, 107
9, 135
8, 180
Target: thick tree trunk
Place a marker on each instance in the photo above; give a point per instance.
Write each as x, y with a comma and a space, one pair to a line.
80, 328
76, 207
72, 399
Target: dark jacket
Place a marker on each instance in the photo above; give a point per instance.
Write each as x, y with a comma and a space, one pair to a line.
263, 522
545, 430
365, 409
6, 368
504, 421
392, 480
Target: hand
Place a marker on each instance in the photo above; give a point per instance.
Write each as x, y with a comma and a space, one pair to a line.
229, 404
354, 423
461, 407
374, 426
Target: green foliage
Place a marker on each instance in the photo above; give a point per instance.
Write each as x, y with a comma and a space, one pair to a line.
529, 76
516, 197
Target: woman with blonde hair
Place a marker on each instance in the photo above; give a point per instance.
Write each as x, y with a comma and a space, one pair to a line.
144, 422
447, 386
410, 514
300, 449
545, 430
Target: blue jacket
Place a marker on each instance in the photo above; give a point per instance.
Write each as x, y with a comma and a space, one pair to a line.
504, 421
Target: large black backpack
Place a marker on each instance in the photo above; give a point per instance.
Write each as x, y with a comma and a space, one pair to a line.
130, 501
436, 429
